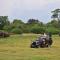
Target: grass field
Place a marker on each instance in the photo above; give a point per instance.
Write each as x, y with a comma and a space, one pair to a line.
17, 47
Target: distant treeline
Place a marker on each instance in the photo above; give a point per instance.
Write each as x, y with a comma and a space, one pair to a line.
32, 26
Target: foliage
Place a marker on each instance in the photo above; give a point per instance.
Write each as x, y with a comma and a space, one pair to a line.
16, 31
32, 25
6, 28
17, 21
53, 30
53, 23
33, 21
55, 13
38, 30
3, 21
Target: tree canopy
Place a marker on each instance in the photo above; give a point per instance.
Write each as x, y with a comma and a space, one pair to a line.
32, 25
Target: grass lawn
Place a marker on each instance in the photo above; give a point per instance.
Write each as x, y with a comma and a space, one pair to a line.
17, 47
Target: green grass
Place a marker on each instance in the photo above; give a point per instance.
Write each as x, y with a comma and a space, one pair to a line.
17, 47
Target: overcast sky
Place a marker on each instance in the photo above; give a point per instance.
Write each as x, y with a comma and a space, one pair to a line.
26, 9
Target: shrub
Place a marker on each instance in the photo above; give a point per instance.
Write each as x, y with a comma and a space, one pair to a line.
38, 30
52, 30
16, 31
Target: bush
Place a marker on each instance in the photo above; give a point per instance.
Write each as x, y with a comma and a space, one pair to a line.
16, 31
38, 30
26, 30
6, 28
52, 30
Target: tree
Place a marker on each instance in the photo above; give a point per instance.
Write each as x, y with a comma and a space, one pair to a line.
17, 31
53, 23
52, 30
17, 23
38, 30
17, 26
3, 21
56, 14
33, 21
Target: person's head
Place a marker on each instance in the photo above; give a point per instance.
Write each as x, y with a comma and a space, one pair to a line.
44, 33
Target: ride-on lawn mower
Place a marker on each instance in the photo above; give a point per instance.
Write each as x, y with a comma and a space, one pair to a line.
42, 42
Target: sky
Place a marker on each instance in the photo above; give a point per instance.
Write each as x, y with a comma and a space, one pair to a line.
28, 9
